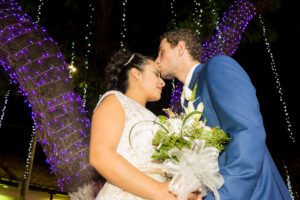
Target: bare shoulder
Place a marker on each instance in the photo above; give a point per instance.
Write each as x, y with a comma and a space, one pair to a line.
107, 124
108, 121
110, 105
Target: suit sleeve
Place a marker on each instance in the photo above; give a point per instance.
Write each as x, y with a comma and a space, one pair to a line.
234, 100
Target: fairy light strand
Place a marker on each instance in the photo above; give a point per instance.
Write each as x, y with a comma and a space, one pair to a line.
176, 85
88, 49
30, 153
33, 136
288, 180
197, 15
4, 106
49, 113
39, 12
226, 40
72, 68
173, 14
215, 14
123, 26
277, 82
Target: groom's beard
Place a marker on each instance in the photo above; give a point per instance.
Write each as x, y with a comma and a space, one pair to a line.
168, 76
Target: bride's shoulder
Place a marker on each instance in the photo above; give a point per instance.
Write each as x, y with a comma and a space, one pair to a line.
110, 98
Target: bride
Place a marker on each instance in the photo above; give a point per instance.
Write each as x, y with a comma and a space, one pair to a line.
133, 80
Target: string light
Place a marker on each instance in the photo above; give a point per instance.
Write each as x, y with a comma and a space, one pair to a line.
197, 15
226, 40
123, 26
39, 13
30, 155
33, 136
175, 103
277, 82
88, 49
173, 14
58, 114
288, 180
214, 13
72, 67
4, 106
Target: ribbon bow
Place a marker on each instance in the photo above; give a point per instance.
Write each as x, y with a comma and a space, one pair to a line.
194, 169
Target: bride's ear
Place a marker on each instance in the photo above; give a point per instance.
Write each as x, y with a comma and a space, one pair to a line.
135, 73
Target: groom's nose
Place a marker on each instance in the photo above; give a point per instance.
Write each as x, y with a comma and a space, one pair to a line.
157, 62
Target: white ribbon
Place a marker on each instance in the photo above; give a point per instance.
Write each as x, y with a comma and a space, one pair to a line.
197, 168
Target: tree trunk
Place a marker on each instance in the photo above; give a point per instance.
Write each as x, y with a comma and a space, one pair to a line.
34, 62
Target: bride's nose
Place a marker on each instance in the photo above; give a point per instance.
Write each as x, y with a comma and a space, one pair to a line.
162, 83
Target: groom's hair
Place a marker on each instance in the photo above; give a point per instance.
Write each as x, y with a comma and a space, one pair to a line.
191, 39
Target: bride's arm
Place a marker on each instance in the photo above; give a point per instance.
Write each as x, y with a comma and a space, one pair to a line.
107, 126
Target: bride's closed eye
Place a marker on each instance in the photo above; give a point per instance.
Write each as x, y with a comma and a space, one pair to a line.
157, 73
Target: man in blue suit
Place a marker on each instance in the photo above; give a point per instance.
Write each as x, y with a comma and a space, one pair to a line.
230, 102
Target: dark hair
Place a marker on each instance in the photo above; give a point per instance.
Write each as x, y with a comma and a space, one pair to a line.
120, 64
191, 39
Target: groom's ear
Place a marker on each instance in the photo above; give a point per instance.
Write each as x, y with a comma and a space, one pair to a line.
181, 47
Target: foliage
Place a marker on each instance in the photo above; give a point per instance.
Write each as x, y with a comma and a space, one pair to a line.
216, 139
186, 131
208, 20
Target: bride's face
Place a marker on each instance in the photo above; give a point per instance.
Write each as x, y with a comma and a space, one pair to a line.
151, 82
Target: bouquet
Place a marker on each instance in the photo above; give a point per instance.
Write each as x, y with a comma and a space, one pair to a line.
189, 151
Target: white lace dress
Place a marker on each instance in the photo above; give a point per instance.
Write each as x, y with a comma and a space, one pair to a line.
141, 138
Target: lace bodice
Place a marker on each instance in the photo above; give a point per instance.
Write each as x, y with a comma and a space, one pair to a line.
140, 151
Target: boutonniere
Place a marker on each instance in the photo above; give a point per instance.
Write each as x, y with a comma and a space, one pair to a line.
188, 94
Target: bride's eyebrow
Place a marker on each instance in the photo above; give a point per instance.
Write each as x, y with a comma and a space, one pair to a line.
156, 71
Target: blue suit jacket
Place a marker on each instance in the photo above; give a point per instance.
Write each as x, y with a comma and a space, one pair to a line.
230, 102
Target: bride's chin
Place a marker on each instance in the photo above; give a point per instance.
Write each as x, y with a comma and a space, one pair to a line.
153, 99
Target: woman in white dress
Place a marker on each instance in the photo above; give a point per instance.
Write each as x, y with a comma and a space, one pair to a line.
134, 80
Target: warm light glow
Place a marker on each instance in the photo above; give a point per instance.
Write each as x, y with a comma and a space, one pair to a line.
4, 186
72, 68
4, 197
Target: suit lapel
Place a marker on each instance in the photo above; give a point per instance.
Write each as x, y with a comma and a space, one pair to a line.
192, 83
195, 76
194, 80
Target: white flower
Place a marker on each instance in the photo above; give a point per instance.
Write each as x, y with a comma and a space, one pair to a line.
174, 125
191, 108
187, 93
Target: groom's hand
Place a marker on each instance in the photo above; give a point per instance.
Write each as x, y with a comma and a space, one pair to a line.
193, 196
196, 195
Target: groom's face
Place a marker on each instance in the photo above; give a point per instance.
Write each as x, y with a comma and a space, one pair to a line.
167, 59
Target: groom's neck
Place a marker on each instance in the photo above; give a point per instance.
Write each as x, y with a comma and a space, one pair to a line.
184, 69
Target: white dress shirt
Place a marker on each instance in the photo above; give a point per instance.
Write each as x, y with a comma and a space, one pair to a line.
187, 81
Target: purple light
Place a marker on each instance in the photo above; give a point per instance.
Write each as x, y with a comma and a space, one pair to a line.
225, 41
34, 76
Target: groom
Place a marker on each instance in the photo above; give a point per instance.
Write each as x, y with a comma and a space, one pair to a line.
230, 102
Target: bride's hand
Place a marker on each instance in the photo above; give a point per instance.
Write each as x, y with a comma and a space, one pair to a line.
164, 192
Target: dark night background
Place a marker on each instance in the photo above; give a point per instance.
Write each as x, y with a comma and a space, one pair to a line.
146, 20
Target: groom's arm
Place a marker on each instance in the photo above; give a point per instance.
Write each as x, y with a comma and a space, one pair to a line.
234, 100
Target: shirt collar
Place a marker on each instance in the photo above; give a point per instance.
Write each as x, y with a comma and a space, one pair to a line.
189, 76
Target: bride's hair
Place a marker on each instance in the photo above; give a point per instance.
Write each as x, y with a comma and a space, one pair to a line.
120, 64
